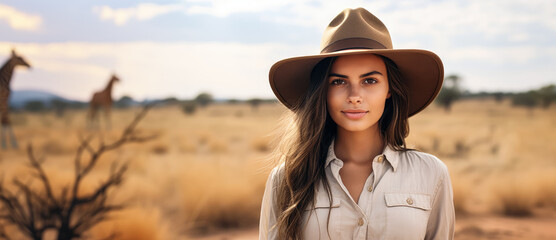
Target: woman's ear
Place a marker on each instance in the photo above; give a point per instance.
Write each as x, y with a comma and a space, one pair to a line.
389, 94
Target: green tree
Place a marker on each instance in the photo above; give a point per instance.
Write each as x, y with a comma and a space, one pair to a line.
124, 102
170, 100
255, 102
450, 92
189, 107
498, 96
203, 99
34, 106
547, 95
59, 106
528, 99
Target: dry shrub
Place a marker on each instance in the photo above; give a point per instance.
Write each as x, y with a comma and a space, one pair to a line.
133, 224
203, 137
546, 187
262, 144
58, 179
10, 230
64, 178
515, 193
159, 148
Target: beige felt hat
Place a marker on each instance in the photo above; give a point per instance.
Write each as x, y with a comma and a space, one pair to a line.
357, 31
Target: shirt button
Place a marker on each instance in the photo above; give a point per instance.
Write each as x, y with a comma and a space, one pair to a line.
360, 222
370, 188
409, 201
380, 159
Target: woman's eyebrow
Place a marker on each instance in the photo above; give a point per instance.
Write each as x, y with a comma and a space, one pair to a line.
361, 76
337, 75
370, 73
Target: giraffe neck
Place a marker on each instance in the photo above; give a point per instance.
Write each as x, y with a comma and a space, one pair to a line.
6, 74
108, 88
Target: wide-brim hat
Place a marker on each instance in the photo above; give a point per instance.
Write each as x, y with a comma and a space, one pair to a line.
357, 31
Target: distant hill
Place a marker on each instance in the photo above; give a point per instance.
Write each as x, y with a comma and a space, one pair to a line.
19, 98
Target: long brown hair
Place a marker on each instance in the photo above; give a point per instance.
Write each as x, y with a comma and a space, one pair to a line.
304, 145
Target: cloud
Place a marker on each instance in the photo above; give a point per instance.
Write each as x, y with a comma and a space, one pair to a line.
299, 12
19, 20
504, 56
150, 69
488, 20
434, 23
141, 12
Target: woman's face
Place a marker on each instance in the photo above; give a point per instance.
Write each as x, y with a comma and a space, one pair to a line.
357, 91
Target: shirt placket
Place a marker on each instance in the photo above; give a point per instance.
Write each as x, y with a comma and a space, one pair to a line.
361, 218
366, 200
363, 210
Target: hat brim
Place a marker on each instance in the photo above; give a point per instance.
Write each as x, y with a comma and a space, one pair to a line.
422, 71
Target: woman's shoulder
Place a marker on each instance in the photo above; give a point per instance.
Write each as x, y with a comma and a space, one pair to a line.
423, 159
277, 174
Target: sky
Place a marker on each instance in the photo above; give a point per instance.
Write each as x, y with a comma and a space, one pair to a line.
181, 48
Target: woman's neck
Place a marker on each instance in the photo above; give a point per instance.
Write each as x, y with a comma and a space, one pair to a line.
358, 147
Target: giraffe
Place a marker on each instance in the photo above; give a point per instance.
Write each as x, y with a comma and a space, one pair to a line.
6, 73
102, 99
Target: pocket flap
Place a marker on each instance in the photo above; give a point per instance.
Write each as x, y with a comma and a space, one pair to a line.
415, 200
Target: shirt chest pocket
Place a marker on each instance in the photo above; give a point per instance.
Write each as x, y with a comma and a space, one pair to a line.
407, 215
316, 219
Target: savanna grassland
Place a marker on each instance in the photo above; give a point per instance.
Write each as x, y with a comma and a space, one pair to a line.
204, 173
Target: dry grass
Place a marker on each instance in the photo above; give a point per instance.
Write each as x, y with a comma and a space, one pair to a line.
546, 181
214, 194
262, 144
134, 224
207, 171
516, 194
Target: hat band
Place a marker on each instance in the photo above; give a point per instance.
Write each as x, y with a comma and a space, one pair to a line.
352, 43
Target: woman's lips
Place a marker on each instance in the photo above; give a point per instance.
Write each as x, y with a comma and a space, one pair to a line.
354, 114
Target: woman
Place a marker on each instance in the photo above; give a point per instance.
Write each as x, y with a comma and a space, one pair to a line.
346, 172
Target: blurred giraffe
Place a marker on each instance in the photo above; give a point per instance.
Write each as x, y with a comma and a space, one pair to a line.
6, 73
102, 99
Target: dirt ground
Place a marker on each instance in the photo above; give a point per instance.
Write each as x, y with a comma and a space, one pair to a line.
542, 225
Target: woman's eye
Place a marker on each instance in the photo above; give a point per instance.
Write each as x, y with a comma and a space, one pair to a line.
370, 80
337, 82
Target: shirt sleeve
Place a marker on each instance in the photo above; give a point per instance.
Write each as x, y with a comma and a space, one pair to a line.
442, 218
269, 208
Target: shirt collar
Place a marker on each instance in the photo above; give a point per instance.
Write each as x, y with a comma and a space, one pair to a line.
389, 153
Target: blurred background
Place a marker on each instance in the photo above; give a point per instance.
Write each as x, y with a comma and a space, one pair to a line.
76, 76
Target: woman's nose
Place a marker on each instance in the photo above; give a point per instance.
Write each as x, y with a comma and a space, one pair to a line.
354, 96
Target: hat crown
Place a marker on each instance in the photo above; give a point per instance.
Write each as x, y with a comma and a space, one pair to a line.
355, 29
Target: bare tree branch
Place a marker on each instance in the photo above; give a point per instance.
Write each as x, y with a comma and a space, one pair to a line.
34, 211
37, 166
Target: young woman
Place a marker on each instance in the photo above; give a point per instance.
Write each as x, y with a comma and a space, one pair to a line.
345, 170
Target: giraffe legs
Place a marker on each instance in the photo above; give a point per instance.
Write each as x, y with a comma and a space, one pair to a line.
107, 118
4, 137
8, 129
12, 137
92, 117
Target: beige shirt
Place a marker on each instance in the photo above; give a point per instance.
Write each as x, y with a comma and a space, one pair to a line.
408, 196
